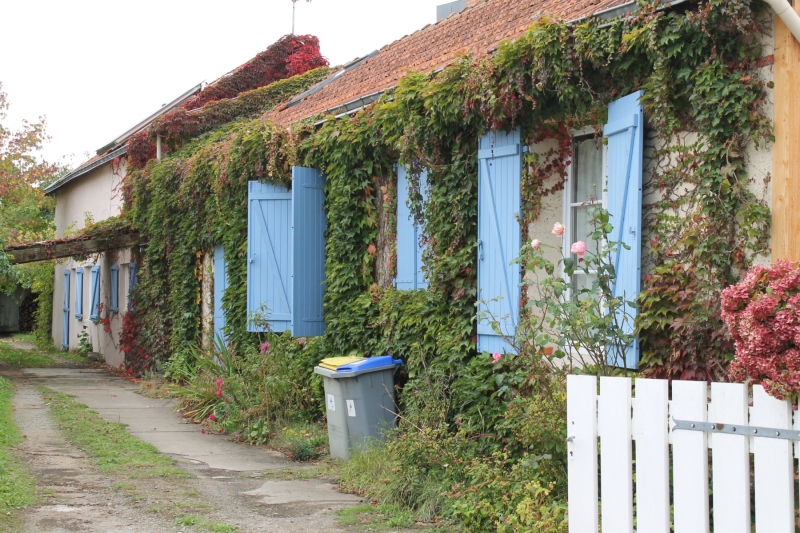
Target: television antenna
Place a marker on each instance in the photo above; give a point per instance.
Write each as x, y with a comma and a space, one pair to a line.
293, 7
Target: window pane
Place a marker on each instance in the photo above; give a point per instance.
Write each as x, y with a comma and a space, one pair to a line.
587, 170
582, 281
581, 226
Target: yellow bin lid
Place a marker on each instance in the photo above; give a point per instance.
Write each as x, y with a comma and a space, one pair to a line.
332, 363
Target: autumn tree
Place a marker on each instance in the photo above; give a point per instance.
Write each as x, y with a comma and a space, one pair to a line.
26, 214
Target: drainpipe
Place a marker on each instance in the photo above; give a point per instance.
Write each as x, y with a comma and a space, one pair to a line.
158, 147
788, 15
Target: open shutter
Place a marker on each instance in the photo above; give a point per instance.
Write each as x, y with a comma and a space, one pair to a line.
499, 236
133, 280
65, 340
625, 132
79, 293
94, 311
113, 300
409, 248
220, 285
309, 226
269, 251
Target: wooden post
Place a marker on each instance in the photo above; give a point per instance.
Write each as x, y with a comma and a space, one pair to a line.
786, 152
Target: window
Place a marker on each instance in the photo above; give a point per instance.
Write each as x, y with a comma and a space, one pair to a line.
133, 280
113, 303
79, 293
94, 309
65, 337
409, 245
220, 285
585, 185
286, 255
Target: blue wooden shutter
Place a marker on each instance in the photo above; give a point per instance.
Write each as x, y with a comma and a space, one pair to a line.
309, 226
113, 300
94, 311
269, 257
625, 132
65, 340
409, 248
499, 236
79, 293
220, 285
133, 280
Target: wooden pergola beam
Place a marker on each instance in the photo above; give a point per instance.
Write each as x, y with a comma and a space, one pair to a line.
46, 250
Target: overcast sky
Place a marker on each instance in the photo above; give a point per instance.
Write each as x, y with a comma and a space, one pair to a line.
95, 68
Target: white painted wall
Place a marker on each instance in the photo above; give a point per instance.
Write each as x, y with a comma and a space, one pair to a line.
96, 194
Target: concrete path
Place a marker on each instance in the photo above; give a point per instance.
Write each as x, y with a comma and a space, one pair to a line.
154, 421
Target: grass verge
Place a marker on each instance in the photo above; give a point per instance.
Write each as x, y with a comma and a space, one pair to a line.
36, 357
115, 450
369, 517
159, 487
16, 487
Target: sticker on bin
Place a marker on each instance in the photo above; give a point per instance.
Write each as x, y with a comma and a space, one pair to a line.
331, 403
370, 362
351, 408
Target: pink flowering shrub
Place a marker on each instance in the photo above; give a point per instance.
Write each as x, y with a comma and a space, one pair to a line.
762, 313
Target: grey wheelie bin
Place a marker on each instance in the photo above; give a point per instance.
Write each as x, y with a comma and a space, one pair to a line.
359, 401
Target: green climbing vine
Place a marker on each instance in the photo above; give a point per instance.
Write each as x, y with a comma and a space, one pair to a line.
706, 219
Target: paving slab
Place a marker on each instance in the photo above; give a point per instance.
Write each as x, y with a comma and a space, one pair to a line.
155, 421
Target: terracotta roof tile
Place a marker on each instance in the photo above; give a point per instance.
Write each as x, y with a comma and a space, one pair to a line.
476, 29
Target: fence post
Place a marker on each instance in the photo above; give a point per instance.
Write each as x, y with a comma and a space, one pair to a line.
690, 458
773, 462
651, 433
730, 455
582, 453
614, 428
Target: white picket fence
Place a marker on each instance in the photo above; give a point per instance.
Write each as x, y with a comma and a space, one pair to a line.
626, 412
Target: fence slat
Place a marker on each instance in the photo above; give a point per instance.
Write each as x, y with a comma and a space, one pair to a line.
730, 457
582, 453
614, 426
651, 433
773, 461
690, 458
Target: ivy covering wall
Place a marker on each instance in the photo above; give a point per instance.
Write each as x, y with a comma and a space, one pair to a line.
695, 64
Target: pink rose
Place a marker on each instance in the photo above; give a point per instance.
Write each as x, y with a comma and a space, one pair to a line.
219, 383
212, 417
535, 244
264, 348
219, 393
579, 249
496, 356
558, 229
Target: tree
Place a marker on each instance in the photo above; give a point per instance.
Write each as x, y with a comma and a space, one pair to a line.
26, 214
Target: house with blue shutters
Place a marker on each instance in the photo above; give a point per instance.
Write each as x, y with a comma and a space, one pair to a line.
608, 166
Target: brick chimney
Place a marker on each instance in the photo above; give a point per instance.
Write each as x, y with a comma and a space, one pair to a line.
445, 10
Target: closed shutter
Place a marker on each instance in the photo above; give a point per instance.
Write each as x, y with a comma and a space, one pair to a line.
113, 300
410, 249
220, 285
309, 227
79, 293
499, 237
625, 132
94, 310
269, 262
65, 340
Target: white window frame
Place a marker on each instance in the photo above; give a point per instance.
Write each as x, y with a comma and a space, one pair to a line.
569, 204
